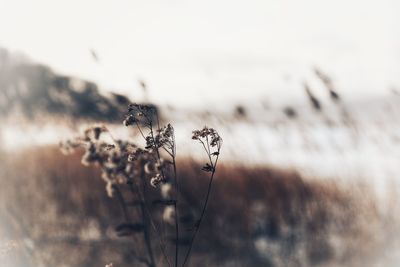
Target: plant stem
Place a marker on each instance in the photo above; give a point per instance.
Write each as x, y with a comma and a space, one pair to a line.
176, 214
162, 244
122, 201
148, 219
202, 214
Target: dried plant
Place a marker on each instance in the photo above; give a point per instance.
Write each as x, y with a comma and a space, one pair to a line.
327, 81
125, 164
315, 103
211, 142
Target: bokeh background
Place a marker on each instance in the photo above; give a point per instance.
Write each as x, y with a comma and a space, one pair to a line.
306, 95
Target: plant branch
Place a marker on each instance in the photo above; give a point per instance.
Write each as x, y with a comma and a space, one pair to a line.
197, 226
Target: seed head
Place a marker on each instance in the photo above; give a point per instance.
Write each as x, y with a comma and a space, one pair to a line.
156, 180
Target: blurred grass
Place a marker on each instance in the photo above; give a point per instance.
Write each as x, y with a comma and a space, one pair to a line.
59, 214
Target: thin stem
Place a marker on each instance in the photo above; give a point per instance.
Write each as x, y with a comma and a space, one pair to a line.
163, 175
172, 154
147, 235
202, 214
145, 223
208, 146
169, 153
122, 202
161, 241
208, 153
140, 130
146, 214
176, 213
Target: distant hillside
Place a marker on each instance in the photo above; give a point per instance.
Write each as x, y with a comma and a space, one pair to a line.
34, 89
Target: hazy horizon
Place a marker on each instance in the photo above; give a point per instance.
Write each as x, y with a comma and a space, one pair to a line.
210, 50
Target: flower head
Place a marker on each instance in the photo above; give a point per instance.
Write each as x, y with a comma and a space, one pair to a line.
156, 180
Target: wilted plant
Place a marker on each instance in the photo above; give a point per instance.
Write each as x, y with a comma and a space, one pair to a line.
126, 165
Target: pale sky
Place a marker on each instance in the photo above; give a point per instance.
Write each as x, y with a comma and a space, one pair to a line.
192, 51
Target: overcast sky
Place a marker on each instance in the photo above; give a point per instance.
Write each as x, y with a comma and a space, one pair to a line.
192, 51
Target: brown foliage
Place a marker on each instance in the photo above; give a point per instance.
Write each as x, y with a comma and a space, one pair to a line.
51, 199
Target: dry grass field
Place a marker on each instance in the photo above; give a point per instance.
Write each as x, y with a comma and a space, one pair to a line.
55, 212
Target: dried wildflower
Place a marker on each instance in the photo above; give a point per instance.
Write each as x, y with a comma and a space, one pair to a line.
210, 135
140, 114
165, 138
125, 165
196, 135
137, 154
158, 140
150, 142
156, 180
132, 157
129, 120
211, 142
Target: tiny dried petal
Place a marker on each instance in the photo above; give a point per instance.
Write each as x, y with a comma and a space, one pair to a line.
156, 180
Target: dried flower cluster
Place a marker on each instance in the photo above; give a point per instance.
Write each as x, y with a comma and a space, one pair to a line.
112, 158
212, 143
126, 164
